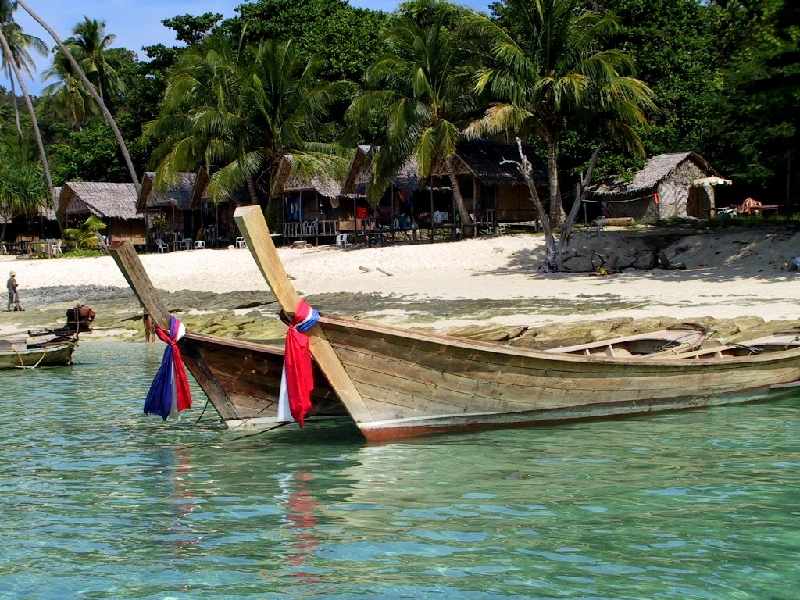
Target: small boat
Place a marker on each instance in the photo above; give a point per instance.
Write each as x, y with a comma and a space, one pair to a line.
675, 340
395, 382
240, 378
53, 347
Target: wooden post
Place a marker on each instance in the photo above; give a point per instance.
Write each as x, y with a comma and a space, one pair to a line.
256, 233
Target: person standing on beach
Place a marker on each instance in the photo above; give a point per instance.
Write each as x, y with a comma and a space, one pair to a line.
13, 294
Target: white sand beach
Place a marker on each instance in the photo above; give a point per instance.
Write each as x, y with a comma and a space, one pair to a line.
728, 275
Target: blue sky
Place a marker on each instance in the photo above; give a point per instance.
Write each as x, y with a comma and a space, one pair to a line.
137, 23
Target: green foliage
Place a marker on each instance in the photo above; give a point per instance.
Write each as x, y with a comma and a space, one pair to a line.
22, 185
82, 253
192, 30
237, 112
423, 90
85, 236
344, 38
91, 153
553, 72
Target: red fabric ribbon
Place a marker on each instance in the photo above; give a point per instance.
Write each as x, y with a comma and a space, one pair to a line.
184, 394
297, 364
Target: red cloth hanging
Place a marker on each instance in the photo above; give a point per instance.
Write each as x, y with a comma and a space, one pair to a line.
297, 364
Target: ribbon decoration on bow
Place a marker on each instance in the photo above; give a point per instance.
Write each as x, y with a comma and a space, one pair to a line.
169, 393
297, 380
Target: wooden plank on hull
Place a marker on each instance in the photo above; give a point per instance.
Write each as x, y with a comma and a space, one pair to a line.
254, 228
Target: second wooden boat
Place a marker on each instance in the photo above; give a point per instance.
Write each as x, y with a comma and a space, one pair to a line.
46, 347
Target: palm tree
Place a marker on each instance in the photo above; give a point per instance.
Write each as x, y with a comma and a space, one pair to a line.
16, 58
77, 69
67, 96
552, 74
424, 90
18, 42
89, 44
22, 188
239, 111
12, 62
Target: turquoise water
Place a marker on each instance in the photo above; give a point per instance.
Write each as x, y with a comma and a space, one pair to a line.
98, 501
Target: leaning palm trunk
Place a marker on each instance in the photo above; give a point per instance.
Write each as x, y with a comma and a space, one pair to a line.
555, 250
36, 131
458, 200
111, 122
14, 98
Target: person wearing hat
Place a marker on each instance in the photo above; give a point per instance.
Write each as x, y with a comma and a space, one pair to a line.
13, 294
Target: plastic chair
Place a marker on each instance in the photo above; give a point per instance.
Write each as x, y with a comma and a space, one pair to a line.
187, 243
341, 240
199, 245
240, 243
162, 247
56, 248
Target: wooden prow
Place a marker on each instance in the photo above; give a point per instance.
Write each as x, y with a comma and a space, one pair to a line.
254, 228
132, 269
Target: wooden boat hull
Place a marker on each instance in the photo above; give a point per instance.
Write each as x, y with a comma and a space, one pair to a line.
247, 378
45, 356
420, 383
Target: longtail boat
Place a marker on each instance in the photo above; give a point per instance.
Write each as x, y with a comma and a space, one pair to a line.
396, 383
46, 347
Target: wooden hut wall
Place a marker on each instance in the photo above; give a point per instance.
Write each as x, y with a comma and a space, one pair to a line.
642, 207
514, 204
125, 230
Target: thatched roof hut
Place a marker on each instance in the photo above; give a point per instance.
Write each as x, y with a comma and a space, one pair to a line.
679, 184
484, 160
178, 196
114, 203
285, 182
360, 172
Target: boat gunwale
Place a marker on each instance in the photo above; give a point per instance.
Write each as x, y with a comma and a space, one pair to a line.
496, 348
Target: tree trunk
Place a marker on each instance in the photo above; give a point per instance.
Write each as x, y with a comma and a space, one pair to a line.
458, 201
14, 98
109, 118
556, 209
554, 249
36, 131
526, 170
580, 197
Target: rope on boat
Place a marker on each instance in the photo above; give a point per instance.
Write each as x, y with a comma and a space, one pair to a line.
32, 367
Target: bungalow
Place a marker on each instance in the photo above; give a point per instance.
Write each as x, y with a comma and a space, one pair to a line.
172, 208
670, 185
310, 204
213, 222
395, 209
114, 203
493, 191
